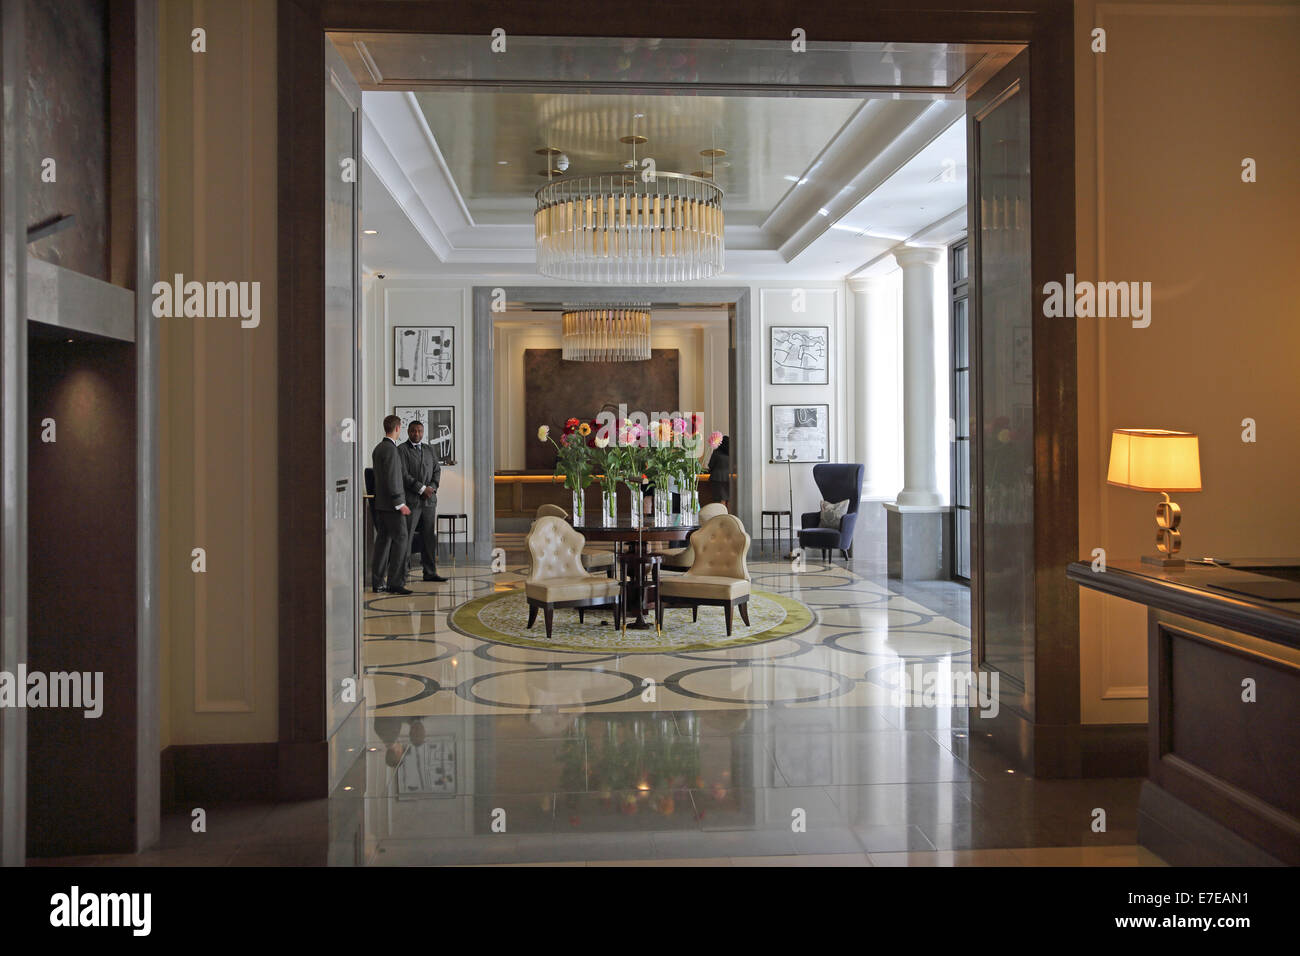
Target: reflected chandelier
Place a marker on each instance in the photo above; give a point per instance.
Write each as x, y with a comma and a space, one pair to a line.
618, 228
607, 333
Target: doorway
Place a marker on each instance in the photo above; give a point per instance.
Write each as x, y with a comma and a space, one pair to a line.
830, 73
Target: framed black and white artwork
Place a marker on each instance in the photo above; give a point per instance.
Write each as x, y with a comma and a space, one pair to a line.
801, 433
439, 428
408, 414
800, 354
423, 355
440, 433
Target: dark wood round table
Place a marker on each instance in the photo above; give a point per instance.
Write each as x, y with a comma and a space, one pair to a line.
631, 539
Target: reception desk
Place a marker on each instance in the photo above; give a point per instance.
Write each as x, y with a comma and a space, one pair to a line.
1223, 783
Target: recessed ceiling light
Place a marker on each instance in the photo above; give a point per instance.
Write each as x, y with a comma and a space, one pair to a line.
824, 211
503, 162
371, 232
638, 116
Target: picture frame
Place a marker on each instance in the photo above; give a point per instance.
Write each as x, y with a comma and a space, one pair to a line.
799, 354
1022, 355
439, 428
424, 355
802, 430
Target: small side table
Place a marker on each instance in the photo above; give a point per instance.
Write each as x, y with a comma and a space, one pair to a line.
775, 525
453, 529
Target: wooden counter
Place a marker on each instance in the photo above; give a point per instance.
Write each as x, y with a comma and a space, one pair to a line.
1224, 707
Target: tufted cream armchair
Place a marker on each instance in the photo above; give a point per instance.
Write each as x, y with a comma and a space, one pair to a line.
680, 559
557, 578
593, 559
717, 577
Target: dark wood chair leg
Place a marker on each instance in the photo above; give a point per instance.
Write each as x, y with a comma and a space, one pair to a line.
549, 614
727, 613
580, 615
695, 613
844, 554
532, 614
743, 606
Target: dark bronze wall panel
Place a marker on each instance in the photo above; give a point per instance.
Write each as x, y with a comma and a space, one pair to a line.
555, 390
1252, 746
82, 592
67, 111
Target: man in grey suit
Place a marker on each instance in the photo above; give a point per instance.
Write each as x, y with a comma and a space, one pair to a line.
421, 473
388, 565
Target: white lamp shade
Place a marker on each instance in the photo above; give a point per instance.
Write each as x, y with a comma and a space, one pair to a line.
1154, 459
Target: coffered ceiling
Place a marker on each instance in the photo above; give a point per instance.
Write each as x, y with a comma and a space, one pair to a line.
489, 142
818, 183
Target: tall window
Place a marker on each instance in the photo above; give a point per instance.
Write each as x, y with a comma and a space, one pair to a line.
959, 302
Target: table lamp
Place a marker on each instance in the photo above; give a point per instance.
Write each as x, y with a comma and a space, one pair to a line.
1156, 459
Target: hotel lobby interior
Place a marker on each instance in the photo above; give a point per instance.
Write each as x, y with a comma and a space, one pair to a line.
778, 433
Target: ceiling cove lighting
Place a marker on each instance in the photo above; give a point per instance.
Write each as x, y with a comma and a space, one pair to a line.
606, 333
619, 228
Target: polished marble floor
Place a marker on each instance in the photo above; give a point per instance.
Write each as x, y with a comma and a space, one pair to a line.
797, 751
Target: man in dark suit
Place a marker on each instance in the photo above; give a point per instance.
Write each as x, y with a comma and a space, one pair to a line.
421, 473
388, 565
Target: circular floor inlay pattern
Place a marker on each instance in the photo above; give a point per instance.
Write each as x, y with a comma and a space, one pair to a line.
503, 618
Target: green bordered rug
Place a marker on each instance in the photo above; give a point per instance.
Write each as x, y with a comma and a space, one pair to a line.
502, 618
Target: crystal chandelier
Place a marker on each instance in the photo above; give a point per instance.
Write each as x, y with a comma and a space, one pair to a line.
607, 333
621, 228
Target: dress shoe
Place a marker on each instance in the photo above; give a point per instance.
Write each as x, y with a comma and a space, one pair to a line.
434, 577
399, 590
379, 589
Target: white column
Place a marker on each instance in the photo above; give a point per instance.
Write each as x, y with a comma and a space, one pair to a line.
919, 479
874, 382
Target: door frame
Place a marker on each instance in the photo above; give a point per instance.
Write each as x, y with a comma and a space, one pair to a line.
741, 427
1046, 27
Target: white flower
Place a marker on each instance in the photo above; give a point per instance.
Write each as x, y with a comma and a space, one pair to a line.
543, 433
602, 441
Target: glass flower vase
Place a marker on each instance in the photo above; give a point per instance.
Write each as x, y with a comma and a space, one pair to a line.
608, 507
663, 505
691, 504
579, 506
635, 504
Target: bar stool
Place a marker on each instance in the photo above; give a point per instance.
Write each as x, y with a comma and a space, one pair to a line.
774, 525
452, 531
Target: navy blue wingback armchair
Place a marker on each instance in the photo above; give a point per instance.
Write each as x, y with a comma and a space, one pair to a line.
836, 482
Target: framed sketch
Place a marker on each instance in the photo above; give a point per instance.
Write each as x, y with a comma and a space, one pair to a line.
423, 355
1022, 355
408, 414
439, 428
801, 432
428, 769
440, 433
800, 354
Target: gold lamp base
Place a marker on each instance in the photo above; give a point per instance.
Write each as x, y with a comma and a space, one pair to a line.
1168, 538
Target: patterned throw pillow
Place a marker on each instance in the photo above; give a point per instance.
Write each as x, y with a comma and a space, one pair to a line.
833, 514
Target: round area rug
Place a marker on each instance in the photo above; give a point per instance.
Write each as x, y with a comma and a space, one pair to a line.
502, 618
